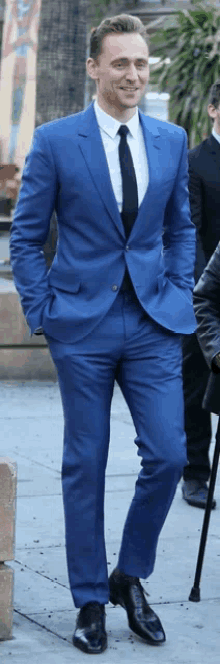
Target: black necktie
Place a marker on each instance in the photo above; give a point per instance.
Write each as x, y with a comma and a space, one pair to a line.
129, 182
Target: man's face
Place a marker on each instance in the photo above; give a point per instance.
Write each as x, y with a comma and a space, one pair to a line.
121, 72
214, 113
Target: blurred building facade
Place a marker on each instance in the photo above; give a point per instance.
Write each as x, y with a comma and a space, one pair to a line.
18, 78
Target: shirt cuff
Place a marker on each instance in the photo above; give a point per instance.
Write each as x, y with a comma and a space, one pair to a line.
39, 330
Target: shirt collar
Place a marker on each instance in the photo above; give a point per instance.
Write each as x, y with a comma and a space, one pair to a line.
111, 126
216, 136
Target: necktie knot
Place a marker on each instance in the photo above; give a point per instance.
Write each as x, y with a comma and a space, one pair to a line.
123, 130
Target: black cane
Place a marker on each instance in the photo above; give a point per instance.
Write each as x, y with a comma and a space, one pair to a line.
195, 592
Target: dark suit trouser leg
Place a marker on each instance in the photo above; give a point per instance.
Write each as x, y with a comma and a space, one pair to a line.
146, 361
197, 420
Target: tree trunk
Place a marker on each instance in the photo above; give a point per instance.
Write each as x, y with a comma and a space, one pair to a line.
61, 72
61, 59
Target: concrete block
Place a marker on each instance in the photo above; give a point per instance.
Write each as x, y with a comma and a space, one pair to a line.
6, 603
21, 356
13, 327
8, 483
31, 363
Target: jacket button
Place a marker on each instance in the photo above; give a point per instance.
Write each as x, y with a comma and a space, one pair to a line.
127, 247
114, 287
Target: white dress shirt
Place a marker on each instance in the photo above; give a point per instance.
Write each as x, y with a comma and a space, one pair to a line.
109, 133
217, 136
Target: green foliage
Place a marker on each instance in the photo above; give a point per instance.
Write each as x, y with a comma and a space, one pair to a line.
99, 9
192, 42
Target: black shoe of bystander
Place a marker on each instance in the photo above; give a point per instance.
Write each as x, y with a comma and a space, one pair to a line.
195, 493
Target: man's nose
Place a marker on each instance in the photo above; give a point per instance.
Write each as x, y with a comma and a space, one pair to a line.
131, 73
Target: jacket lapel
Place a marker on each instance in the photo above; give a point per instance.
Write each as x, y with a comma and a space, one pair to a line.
152, 139
213, 147
90, 143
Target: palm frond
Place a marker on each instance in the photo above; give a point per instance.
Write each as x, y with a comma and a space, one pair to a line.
194, 46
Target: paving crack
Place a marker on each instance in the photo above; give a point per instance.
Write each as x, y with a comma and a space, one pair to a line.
58, 583
35, 622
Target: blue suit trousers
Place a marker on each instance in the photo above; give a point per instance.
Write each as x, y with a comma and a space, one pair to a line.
145, 360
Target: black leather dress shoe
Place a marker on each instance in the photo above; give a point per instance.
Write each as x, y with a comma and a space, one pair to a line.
90, 635
195, 493
128, 592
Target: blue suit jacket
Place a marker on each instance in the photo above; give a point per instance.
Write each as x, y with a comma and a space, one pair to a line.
66, 169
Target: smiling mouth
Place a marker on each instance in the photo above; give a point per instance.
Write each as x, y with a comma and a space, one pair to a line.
129, 89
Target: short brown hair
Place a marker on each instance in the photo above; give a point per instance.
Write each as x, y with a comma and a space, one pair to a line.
214, 94
116, 24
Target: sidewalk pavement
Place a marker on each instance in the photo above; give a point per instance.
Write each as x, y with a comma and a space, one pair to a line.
31, 433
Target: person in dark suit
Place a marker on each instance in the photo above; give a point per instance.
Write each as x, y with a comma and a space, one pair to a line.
204, 188
206, 305
113, 306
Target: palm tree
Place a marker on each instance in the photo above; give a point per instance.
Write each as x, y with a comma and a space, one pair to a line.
192, 42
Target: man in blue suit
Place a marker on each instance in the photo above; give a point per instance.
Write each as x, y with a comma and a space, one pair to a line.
112, 307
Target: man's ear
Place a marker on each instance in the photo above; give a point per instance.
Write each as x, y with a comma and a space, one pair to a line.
212, 111
91, 67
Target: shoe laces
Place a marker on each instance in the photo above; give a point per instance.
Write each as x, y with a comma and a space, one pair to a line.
142, 590
135, 581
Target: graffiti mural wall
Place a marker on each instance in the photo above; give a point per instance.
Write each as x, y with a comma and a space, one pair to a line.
18, 79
